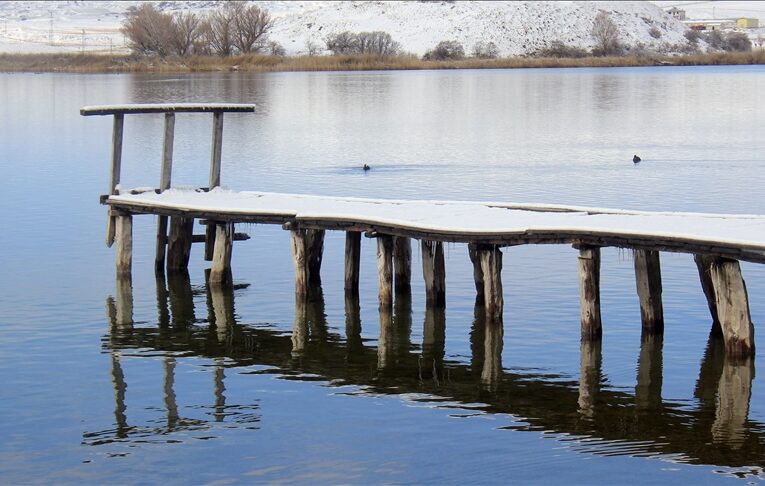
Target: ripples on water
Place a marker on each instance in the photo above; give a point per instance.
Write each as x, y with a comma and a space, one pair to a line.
181, 384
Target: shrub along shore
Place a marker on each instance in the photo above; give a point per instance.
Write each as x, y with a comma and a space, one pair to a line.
97, 63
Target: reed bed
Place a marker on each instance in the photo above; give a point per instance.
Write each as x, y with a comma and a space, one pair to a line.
99, 63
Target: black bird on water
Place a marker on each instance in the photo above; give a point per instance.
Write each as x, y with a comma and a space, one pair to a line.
366, 167
636, 159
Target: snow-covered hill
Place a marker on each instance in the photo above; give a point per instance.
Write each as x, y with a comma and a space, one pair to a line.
516, 27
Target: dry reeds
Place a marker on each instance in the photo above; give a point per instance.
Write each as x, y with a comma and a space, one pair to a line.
97, 63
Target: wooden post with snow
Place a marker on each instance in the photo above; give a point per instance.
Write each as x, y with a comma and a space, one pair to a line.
352, 263
385, 271
402, 264
589, 292
434, 273
648, 282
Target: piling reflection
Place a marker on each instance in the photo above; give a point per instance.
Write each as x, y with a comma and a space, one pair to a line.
590, 376
715, 429
649, 372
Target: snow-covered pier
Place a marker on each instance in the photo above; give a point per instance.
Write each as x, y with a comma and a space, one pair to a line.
717, 241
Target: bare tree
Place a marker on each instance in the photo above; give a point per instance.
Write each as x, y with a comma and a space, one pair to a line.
186, 32
445, 50
148, 30
221, 30
345, 42
606, 35
378, 42
312, 48
251, 26
276, 49
485, 50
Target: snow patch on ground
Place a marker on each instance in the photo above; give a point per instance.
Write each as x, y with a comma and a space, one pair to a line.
517, 27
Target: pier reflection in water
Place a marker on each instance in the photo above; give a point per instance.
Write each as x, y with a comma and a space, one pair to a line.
587, 416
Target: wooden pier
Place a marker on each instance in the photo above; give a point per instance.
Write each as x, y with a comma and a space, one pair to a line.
717, 241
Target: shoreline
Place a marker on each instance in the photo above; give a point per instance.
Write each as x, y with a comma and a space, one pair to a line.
99, 63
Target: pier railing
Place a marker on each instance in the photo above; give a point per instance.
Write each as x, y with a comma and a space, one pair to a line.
169, 111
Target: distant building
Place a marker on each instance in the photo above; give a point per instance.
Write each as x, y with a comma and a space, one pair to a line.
747, 23
717, 24
677, 13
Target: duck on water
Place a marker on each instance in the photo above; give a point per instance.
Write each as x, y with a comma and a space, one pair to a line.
635, 159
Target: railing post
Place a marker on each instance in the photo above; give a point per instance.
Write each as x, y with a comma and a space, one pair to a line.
164, 183
114, 178
215, 156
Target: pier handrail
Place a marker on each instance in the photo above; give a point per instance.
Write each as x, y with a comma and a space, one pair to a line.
169, 110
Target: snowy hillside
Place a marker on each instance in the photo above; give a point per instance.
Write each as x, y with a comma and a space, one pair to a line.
517, 27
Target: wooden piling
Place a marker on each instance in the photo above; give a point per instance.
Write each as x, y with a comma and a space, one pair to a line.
352, 263
179, 243
123, 235
434, 273
402, 265
491, 267
314, 241
301, 264
477, 272
385, 270
733, 308
220, 273
164, 184
704, 266
648, 281
589, 292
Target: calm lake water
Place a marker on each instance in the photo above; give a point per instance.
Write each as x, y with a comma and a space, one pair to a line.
175, 384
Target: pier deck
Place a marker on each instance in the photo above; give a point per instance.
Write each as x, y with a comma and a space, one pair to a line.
717, 241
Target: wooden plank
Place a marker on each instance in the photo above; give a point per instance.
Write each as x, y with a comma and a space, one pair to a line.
352, 263
143, 108
733, 308
434, 273
402, 265
385, 271
179, 243
124, 238
220, 273
648, 282
589, 292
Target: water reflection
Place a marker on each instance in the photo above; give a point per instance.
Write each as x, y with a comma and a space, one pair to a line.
591, 416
